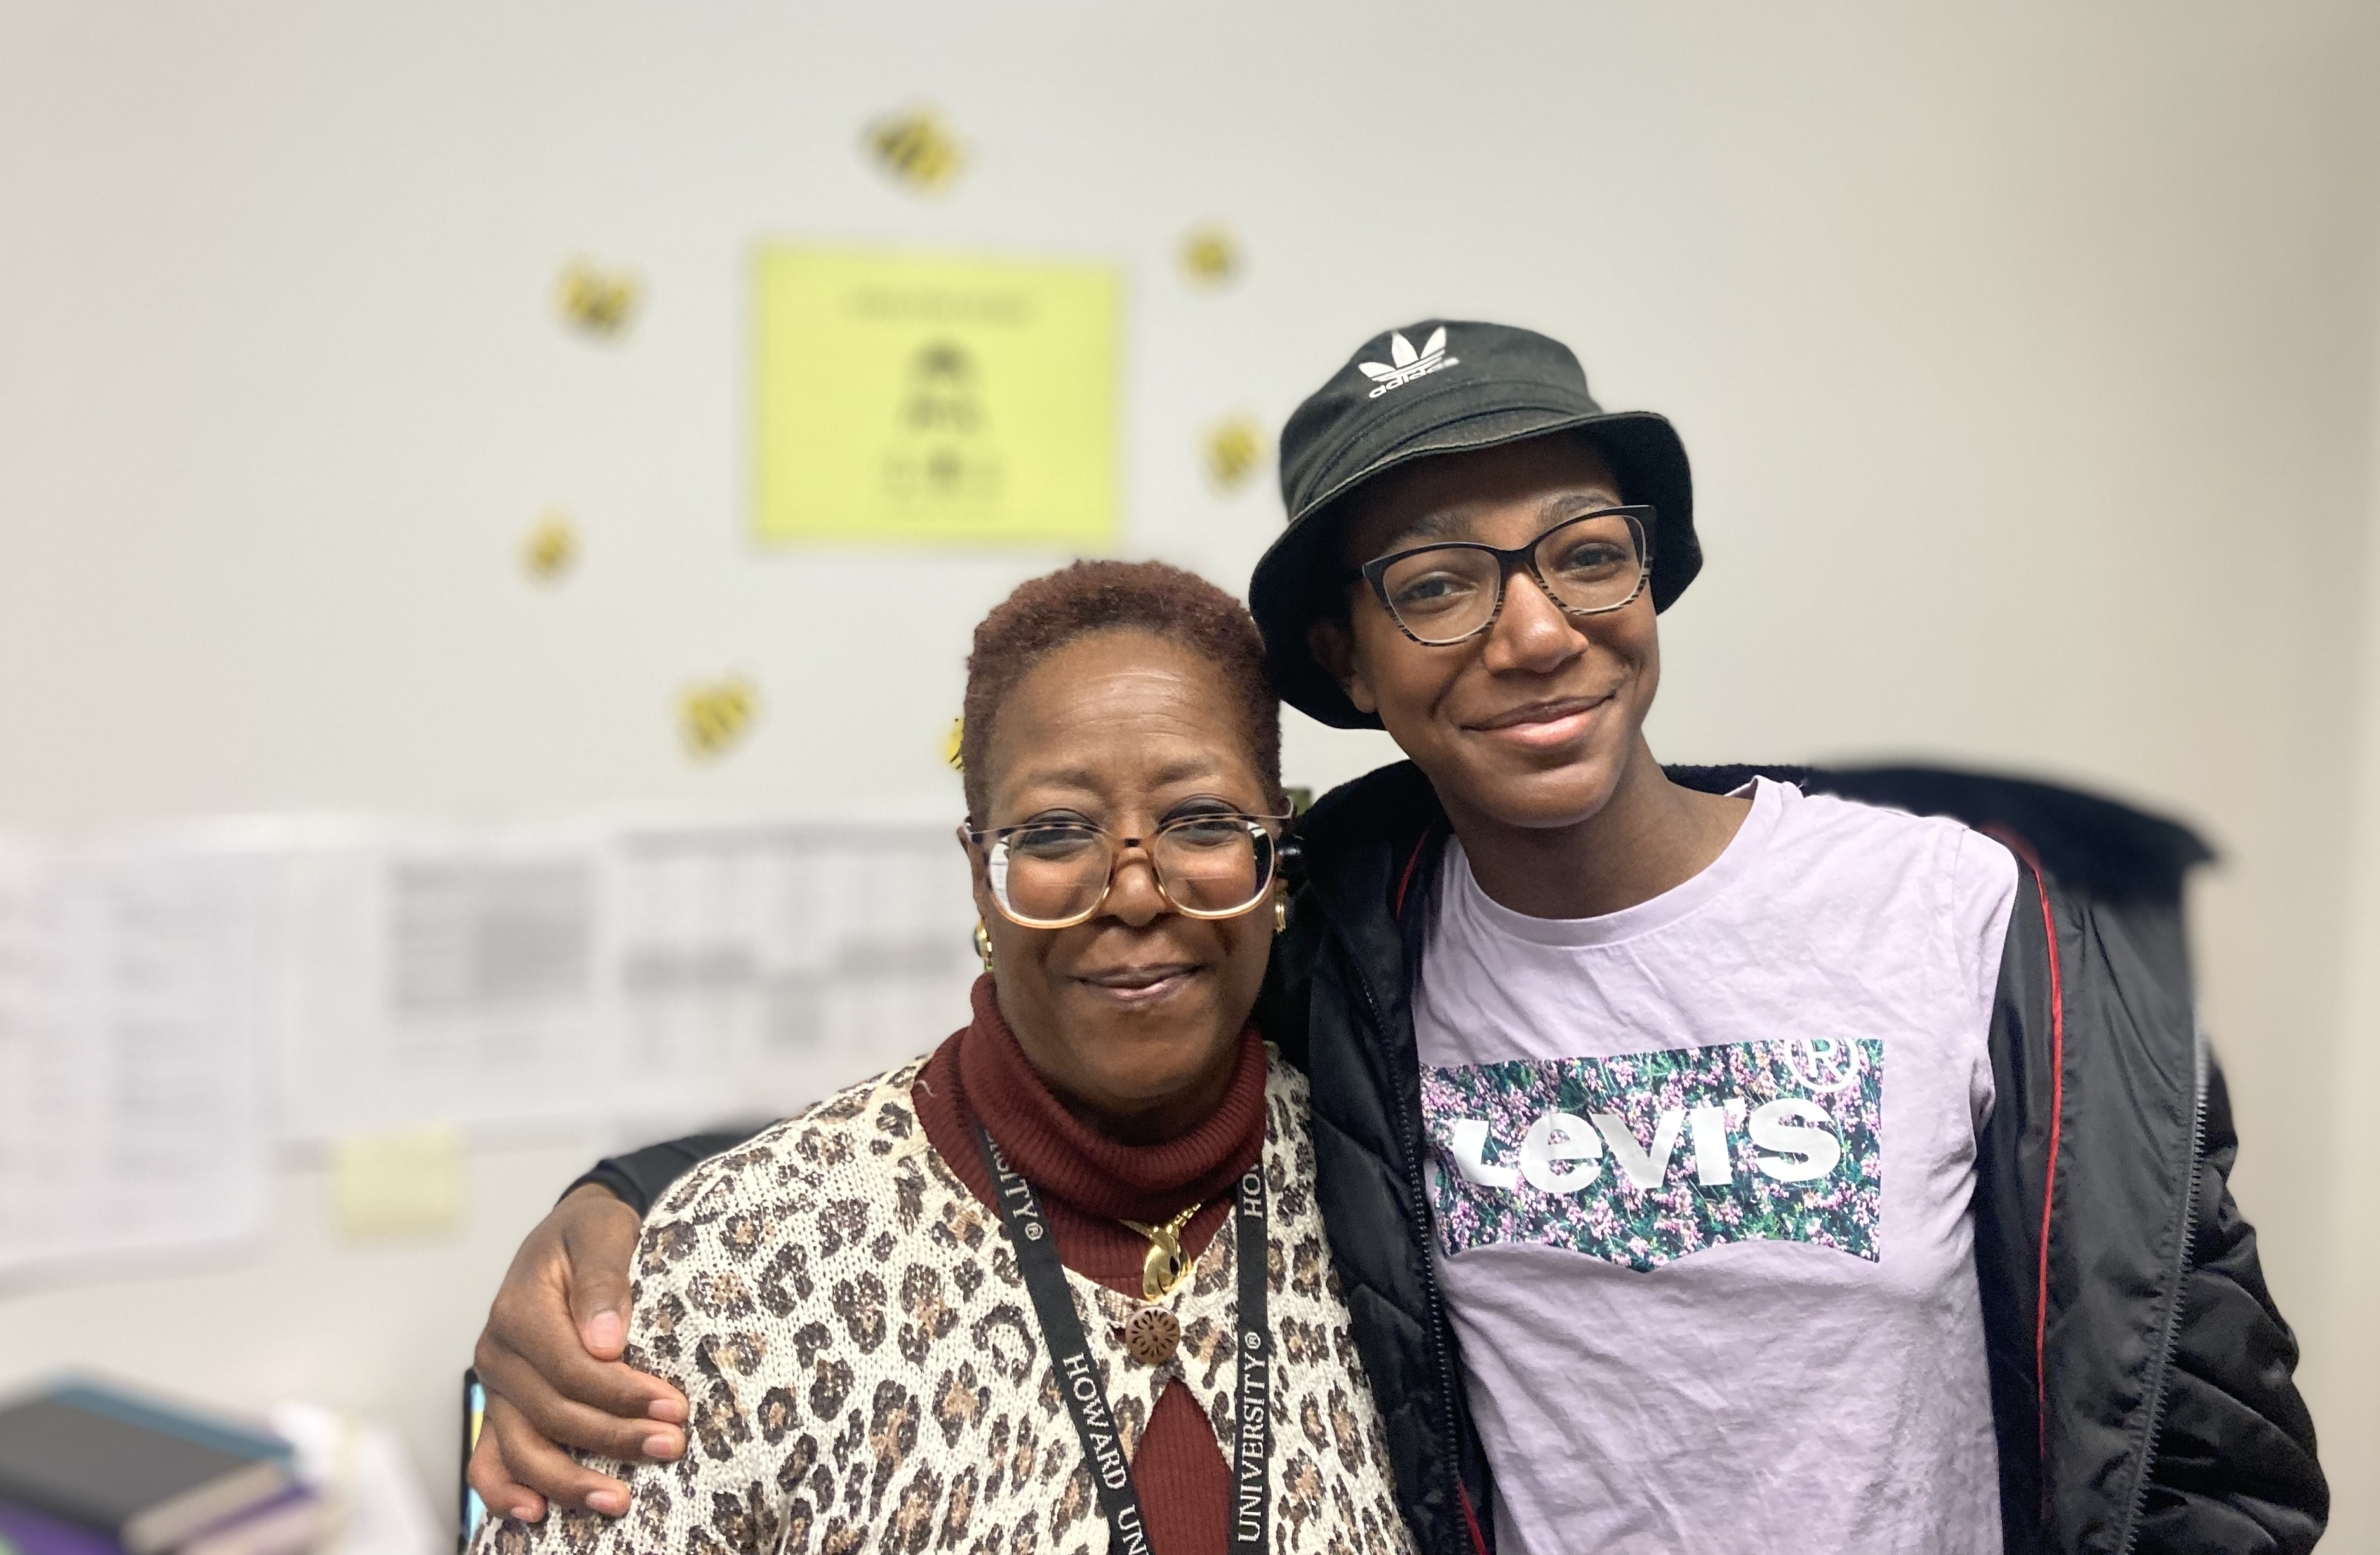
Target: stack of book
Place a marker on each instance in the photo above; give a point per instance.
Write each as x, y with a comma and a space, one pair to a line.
87, 1469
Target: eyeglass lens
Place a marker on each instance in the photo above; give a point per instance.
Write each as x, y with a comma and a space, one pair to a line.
1207, 866
1444, 593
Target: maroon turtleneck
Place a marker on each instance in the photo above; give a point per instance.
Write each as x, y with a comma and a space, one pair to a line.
1090, 1184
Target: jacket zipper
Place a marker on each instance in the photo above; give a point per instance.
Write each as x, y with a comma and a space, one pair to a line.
2173, 1315
1407, 1133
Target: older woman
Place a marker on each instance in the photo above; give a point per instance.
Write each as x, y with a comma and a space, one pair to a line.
1061, 1285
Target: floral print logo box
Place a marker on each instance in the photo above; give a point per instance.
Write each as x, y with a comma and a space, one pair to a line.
1651, 1157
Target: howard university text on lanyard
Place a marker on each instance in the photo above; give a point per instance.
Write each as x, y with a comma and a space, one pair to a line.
1078, 1374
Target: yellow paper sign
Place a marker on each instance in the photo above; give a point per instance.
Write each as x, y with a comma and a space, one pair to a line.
951, 744
398, 1184
936, 400
712, 717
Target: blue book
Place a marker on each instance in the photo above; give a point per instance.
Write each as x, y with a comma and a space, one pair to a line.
134, 1409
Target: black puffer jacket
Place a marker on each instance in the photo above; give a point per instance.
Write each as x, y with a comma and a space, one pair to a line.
2141, 1376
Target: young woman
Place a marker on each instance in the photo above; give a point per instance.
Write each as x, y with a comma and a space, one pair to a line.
1712, 1163
1059, 1286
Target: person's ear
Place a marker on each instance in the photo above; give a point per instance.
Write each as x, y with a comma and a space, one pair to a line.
1334, 648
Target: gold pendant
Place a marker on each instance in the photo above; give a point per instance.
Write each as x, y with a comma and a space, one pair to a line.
1164, 1267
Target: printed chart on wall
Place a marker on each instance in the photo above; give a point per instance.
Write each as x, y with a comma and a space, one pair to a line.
130, 1052
427, 973
931, 399
750, 968
649, 976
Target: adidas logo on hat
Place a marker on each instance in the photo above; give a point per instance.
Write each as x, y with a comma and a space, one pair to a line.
1405, 364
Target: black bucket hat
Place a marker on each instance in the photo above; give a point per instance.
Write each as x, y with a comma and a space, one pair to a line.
1437, 387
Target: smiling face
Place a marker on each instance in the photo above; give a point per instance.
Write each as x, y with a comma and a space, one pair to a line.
1535, 722
1133, 1017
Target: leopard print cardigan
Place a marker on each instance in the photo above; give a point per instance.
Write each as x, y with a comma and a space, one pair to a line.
866, 1374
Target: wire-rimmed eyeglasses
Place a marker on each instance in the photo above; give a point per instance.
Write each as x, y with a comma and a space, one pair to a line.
1452, 591
1054, 874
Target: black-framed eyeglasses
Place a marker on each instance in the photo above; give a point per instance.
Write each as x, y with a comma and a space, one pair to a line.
1450, 592
1054, 874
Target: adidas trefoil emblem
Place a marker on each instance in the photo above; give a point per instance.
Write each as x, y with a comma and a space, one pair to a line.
1406, 364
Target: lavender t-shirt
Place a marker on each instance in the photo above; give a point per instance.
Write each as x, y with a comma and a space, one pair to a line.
1701, 1178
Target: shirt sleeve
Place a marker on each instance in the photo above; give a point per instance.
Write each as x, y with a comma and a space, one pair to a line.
640, 1177
1983, 880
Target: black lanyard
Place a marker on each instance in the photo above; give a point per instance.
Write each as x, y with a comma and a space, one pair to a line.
1078, 1374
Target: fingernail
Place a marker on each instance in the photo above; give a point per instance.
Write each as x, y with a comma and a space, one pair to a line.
603, 1331
669, 1411
610, 1503
526, 1512
662, 1445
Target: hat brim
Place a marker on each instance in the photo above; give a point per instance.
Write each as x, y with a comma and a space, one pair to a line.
1300, 578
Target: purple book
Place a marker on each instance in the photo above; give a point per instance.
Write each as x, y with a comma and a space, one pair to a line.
30, 1533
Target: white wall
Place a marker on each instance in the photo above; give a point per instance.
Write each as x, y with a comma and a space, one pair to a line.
2343, 1341
2027, 355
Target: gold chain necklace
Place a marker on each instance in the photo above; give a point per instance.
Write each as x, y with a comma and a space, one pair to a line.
1165, 1267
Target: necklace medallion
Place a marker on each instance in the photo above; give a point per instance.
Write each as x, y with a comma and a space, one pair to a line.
1152, 1336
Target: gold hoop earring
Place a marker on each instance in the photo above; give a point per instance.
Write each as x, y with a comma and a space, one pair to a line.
983, 947
1280, 915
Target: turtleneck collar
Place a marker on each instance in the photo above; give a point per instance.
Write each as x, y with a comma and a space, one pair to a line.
1067, 1159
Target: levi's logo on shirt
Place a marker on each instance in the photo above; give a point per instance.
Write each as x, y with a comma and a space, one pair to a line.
1647, 1158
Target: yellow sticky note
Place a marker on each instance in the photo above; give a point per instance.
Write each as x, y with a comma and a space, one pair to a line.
395, 1184
596, 300
1210, 255
917, 149
932, 399
713, 716
1233, 448
551, 547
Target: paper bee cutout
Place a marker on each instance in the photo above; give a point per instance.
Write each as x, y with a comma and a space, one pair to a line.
714, 716
917, 149
1233, 449
950, 745
1210, 255
594, 300
551, 548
